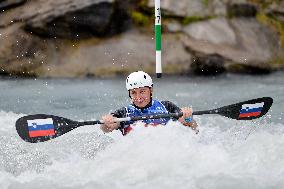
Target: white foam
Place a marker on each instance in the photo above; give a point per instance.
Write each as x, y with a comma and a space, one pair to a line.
225, 154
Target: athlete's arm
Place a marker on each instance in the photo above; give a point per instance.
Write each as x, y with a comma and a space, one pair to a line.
120, 113
187, 113
109, 124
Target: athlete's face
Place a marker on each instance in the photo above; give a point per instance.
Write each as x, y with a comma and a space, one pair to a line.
141, 96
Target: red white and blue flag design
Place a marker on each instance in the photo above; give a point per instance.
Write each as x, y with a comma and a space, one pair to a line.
41, 127
251, 110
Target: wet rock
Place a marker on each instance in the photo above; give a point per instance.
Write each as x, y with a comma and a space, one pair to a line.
9, 4
215, 31
21, 53
183, 7
238, 40
92, 20
208, 65
69, 18
197, 8
249, 69
242, 10
92, 58
74, 20
172, 27
89, 38
276, 10
131, 51
218, 7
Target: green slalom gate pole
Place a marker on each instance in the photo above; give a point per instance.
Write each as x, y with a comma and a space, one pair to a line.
158, 36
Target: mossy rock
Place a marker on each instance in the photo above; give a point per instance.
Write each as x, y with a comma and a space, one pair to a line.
208, 65
205, 2
277, 63
192, 19
140, 19
264, 3
143, 3
273, 23
242, 10
249, 69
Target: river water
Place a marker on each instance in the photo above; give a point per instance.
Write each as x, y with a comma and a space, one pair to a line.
225, 154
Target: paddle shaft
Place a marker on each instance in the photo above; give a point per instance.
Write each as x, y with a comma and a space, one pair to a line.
158, 116
55, 126
137, 118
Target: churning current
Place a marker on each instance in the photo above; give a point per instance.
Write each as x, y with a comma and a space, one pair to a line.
225, 154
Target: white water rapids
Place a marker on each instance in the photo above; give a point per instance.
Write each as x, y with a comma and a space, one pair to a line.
225, 154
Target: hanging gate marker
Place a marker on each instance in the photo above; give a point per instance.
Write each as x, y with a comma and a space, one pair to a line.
158, 37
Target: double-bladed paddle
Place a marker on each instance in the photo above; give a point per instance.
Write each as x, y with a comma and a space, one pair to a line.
42, 127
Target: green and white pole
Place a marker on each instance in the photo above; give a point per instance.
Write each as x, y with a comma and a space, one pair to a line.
158, 36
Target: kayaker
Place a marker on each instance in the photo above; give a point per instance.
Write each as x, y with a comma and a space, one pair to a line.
140, 89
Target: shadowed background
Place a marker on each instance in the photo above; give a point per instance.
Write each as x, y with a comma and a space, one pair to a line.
101, 38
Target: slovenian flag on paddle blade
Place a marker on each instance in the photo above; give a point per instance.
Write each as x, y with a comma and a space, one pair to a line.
251, 110
41, 127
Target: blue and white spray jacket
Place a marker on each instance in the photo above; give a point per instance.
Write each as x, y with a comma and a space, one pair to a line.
156, 108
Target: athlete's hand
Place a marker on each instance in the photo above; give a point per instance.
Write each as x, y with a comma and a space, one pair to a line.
109, 124
187, 114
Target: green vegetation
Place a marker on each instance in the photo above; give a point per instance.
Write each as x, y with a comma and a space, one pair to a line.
250, 69
143, 16
265, 3
205, 2
174, 69
143, 3
191, 19
140, 19
277, 62
274, 23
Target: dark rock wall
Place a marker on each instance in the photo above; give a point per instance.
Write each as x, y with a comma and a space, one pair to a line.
101, 38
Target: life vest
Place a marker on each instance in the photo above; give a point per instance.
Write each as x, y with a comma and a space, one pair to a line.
156, 108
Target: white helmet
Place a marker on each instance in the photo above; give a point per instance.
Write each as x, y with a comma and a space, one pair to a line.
138, 79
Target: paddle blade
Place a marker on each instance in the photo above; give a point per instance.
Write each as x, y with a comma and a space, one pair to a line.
247, 110
42, 127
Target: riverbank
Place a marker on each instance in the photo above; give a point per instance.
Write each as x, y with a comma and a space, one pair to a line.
106, 38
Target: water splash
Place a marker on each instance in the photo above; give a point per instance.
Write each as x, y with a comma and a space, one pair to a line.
225, 154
